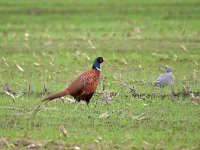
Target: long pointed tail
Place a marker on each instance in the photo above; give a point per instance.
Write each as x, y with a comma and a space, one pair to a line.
55, 95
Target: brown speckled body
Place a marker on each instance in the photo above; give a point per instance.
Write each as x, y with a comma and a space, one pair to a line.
84, 86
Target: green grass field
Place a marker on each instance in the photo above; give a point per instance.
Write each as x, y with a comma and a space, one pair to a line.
51, 42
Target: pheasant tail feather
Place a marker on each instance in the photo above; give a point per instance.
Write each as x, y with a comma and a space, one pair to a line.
56, 95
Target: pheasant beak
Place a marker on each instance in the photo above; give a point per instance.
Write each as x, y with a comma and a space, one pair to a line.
104, 59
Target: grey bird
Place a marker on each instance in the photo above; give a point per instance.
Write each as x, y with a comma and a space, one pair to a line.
166, 78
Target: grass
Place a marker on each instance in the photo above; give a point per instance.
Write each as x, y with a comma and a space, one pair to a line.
55, 41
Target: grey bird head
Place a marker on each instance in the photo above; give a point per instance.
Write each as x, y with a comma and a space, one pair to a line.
165, 78
169, 69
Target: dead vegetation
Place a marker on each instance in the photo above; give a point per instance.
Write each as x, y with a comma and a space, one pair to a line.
185, 93
32, 144
106, 95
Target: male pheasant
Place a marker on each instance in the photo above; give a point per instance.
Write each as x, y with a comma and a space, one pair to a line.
84, 86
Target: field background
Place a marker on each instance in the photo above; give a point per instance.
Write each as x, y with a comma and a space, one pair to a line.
51, 42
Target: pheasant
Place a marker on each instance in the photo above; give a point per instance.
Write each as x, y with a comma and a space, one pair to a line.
84, 86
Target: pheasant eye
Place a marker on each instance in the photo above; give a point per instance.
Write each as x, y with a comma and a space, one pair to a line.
101, 59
